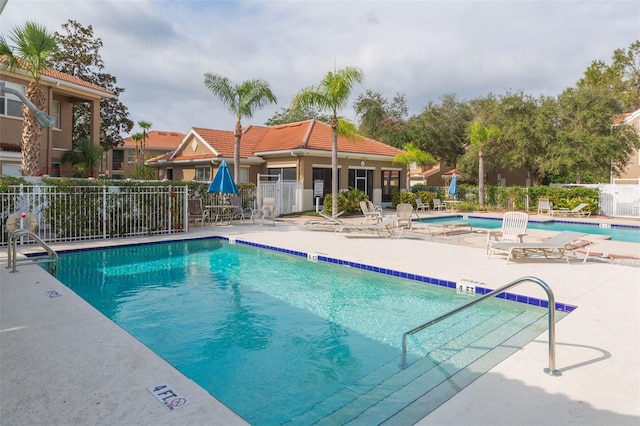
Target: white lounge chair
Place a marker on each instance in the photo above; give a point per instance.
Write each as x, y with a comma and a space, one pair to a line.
545, 206
388, 226
326, 220
370, 212
578, 211
404, 211
514, 227
562, 243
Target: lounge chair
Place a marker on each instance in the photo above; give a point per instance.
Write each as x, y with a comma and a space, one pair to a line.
420, 206
545, 206
404, 212
514, 227
370, 212
196, 211
562, 243
438, 204
388, 226
326, 220
578, 211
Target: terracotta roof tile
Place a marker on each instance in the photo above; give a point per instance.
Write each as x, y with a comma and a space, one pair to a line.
158, 139
310, 134
50, 72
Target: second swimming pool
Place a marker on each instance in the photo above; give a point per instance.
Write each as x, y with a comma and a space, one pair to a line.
616, 232
280, 339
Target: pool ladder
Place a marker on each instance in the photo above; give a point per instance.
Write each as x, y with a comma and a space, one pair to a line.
551, 370
51, 258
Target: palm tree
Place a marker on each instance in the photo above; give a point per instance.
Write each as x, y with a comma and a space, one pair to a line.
479, 135
85, 157
413, 154
241, 100
137, 137
332, 94
32, 51
145, 126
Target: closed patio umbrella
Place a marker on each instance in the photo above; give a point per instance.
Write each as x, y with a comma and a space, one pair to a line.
453, 187
223, 181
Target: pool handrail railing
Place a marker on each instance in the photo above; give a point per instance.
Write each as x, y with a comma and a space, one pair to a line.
551, 370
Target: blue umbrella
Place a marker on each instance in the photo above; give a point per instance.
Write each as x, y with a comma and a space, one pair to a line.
453, 188
223, 181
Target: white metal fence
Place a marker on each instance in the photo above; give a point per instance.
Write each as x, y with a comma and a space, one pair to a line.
285, 193
95, 212
620, 200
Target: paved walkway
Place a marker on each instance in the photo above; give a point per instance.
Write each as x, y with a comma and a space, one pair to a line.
62, 362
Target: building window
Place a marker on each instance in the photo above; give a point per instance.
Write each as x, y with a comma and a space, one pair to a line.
285, 173
55, 114
131, 156
362, 180
11, 105
55, 170
390, 184
244, 175
203, 174
117, 159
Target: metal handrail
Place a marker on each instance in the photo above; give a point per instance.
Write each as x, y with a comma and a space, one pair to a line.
552, 323
13, 243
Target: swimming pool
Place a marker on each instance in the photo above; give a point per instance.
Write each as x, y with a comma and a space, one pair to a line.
280, 339
616, 232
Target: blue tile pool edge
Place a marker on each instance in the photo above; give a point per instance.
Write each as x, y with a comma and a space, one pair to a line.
513, 297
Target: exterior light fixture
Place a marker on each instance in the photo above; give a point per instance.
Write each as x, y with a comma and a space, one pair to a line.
41, 117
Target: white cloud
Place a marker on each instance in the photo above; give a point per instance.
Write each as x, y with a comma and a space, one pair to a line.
160, 50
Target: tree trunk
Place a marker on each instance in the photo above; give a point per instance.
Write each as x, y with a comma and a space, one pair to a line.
236, 151
481, 177
334, 166
31, 131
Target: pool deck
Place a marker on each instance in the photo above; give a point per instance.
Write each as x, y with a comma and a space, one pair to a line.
64, 363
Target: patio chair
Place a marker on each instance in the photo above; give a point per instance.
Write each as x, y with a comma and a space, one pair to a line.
237, 211
388, 226
545, 206
578, 211
514, 227
438, 204
196, 211
420, 206
563, 243
370, 212
267, 212
404, 212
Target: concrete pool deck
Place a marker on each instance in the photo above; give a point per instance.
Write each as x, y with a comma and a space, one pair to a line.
63, 363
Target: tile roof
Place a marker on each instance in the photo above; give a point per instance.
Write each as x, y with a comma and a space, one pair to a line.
158, 139
50, 72
309, 135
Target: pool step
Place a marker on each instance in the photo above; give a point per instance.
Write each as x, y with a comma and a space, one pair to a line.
390, 389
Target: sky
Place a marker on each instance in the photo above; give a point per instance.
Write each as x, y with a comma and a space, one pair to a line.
159, 51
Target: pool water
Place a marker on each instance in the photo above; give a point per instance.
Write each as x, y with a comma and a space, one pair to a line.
280, 339
616, 232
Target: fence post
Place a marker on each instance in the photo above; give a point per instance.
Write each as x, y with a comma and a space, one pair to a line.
104, 212
185, 226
